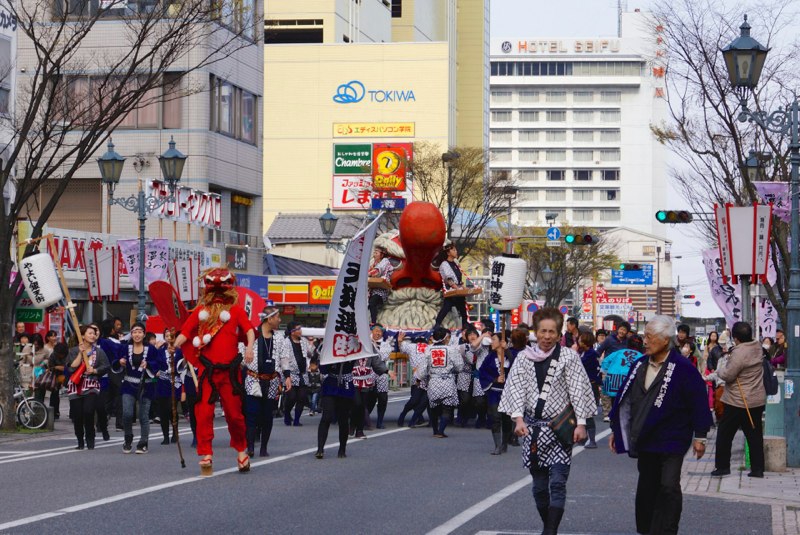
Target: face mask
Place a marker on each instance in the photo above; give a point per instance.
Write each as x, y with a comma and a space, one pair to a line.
765, 346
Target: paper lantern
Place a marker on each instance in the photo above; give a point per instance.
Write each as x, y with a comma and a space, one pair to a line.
507, 282
41, 280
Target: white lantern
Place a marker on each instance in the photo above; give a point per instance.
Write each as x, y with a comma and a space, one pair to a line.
41, 280
507, 282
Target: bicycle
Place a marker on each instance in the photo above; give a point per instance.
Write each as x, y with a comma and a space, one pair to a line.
30, 413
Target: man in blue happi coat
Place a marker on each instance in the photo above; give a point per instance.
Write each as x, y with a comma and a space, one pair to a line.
660, 412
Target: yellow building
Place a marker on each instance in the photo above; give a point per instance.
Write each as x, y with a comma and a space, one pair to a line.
375, 72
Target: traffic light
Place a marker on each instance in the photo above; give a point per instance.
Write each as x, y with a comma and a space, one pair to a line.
631, 267
580, 239
690, 296
674, 216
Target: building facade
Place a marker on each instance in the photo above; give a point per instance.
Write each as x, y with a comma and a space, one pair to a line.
358, 78
570, 123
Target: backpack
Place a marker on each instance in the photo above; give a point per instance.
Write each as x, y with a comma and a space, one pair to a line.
770, 379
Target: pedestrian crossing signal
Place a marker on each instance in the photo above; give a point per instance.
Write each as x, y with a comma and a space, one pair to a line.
674, 216
580, 239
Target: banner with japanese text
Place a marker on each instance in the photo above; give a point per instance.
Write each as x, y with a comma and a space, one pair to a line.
156, 259
102, 273
184, 277
347, 335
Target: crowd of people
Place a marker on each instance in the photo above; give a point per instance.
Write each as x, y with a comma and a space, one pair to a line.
661, 393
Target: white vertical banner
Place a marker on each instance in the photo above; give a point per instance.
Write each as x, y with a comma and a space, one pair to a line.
102, 273
723, 239
762, 231
184, 278
347, 334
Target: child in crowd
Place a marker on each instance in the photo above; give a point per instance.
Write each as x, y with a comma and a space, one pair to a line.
315, 386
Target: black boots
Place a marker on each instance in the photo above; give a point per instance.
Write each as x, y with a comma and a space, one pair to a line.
250, 435
498, 446
591, 444
553, 519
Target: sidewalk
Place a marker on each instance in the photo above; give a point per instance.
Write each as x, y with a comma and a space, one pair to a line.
780, 490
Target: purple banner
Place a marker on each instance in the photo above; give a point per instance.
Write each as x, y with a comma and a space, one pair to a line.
156, 258
776, 193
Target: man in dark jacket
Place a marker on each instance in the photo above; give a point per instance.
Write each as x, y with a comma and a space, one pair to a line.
661, 411
615, 341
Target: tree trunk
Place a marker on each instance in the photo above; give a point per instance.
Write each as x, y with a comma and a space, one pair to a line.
7, 359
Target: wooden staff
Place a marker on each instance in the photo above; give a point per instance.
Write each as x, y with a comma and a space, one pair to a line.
171, 351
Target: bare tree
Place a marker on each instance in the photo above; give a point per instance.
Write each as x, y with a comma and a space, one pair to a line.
475, 199
79, 86
569, 264
704, 130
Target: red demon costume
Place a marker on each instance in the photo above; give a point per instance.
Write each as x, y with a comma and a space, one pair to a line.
215, 328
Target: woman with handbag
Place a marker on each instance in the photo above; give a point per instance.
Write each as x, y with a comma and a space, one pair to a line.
549, 398
40, 353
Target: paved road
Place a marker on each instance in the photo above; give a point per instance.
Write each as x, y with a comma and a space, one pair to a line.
397, 481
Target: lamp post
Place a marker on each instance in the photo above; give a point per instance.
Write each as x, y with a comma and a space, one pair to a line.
447, 161
327, 223
744, 59
171, 162
510, 193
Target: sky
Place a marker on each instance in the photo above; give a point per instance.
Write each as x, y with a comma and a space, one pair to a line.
590, 18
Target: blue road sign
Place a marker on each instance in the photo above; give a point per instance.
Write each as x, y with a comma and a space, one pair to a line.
645, 276
553, 234
388, 203
697, 303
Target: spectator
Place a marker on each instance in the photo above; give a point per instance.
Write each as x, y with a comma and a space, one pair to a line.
591, 363
57, 363
600, 337
778, 350
743, 400
617, 341
713, 351
570, 338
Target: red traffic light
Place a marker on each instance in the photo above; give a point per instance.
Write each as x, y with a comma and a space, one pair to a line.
690, 296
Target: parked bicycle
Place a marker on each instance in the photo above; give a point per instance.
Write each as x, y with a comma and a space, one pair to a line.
31, 414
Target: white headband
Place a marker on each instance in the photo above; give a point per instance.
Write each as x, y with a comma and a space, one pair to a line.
265, 317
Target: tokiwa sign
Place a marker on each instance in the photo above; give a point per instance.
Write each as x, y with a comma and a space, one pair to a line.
320, 292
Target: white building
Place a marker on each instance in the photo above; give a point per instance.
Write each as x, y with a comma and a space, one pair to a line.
8, 53
570, 121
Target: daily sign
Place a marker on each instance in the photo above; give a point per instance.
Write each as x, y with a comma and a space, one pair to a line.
354, 91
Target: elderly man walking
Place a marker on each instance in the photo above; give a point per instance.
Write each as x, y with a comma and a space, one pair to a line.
661, 412
744, 400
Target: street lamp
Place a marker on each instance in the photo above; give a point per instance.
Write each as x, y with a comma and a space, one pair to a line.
447, 161
547, 274
110, 163
327, 223
744, 58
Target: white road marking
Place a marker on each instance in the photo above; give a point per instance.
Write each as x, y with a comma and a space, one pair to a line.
170, 484
470, 513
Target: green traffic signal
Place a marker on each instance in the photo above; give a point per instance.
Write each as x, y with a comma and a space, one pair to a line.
661, 215
569, 238
580, 239
674, 216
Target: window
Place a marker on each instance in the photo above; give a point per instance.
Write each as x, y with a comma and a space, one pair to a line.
172, 102
583, 136
556, 116
610, 96
583, 155
528, 175
556, 155
556, 135
555, 96
501, 116
648, 250
529, 96
529, 135
583, 215
501, 136
609, 215
239, 217
582, 195
500, 174
527, 116
501, 96
528, 195
582, 174
583, 116
555, 195
555, 174
233, 111
610, 174
397, 9
609, 155
238, 15
612, 194
500, 155
146, 115
528, 155
610, 116
609, 135
4, 94
583, 96
527, 214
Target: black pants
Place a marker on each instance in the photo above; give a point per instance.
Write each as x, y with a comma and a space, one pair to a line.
460, 304
164, 412
501, 422
733, 419
114, 402
381, 399
441, 416
375, 305
334, 409
102, 415
357, 416
297, 397
417, 403
82, 410
659, 500
259, 414
55, 401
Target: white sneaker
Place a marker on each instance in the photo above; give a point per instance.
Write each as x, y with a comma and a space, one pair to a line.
606, 419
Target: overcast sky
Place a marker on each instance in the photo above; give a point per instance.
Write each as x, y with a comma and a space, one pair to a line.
598, 18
